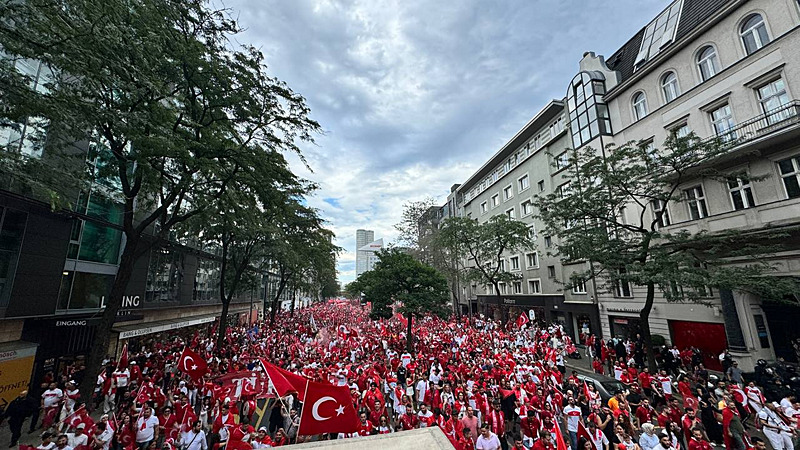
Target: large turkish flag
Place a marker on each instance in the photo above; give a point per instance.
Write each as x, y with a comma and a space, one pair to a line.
192, 364
328, 409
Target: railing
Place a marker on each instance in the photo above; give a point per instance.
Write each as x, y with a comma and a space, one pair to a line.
769, 122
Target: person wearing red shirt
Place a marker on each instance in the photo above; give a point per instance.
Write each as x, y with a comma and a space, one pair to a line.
697, 442
529, 426
408, 420
497, 421
242, 432
645, 413
365, 427
167, 422
518, 444
545, 441
376, 413
644, 380
597, 365
688, 422
224, 423
424, 417
465, 441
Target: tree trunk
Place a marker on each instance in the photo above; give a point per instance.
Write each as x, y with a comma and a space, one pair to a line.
644, 317
274, 308
294, 300
103, 332
409, 337
223, 325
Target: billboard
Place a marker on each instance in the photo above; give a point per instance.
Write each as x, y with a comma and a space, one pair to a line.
15, 372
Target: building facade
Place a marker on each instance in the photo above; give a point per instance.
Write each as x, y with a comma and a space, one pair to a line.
363, 237
727, 69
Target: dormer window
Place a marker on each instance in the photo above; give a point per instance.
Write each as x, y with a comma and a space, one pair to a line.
659, 33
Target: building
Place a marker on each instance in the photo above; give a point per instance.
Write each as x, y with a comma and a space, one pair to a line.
507, 184
369, 254
363, 237
720, 68
57, 268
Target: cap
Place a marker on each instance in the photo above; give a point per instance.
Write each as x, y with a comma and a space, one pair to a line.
81, 426
264, 429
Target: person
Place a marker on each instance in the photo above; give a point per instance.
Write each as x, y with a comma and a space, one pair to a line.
697, 441
146, 428
47, 441
648, 439
598, 438
487, 440
665, 442
51, 402
103, 435
78, 437
529, 426
572, 417
497, 421
734, 374
774, 428
16, 412
62, 443
545, 441
732, 428
758, 443
518, 445
195, 439
425, 417
262, 439
470, 423
365, 426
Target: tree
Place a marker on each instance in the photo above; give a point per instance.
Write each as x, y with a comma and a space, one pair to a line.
176, 110
612, 217
398, 277
479, 247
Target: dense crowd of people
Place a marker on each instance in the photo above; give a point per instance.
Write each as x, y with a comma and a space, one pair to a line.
487, 386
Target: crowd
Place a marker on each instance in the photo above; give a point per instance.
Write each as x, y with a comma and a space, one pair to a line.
487, 386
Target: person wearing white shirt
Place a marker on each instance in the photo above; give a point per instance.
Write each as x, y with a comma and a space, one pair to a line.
103, 435
194, 439
774, 428
422, 388
78, 437
487, 440
146, 428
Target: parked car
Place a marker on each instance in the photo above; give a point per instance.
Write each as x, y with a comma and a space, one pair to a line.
606, 386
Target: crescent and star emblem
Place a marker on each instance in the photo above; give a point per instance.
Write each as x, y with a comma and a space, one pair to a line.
315, 408
186, 365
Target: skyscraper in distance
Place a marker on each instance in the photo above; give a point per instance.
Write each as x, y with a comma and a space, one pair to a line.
363, 237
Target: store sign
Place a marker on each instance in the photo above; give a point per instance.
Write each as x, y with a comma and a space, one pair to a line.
621, 321
624, 310
15, 372
164, 327
509, 301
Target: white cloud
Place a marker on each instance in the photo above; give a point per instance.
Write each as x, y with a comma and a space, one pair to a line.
414, 95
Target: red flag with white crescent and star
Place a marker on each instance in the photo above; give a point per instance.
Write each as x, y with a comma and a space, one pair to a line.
328, 409
192, 364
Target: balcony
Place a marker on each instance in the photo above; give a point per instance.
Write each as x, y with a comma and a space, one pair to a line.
770, 122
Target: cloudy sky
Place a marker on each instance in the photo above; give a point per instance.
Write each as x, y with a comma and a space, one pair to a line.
414, 95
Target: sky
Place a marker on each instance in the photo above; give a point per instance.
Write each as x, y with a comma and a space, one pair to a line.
414, 96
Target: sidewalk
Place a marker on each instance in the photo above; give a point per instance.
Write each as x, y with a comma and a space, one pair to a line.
32, 438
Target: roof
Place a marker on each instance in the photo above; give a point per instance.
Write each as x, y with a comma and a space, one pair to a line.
693, 14
542, 118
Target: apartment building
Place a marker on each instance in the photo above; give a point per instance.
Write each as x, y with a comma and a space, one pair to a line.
726, 69
531, 163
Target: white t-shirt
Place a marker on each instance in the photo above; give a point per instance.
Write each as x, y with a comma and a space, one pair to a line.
666, 384
405, 359
51, 397
70, 403
599, 439
74, 441
121, 377
106, 437
422, 387
146, 428
573, 414
492, 443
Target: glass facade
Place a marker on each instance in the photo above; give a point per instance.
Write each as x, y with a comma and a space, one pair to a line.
82, 290
164, 276
588, 113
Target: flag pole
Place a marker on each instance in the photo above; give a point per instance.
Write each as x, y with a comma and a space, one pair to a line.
305, 394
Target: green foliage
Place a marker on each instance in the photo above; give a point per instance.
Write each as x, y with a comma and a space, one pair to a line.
657, 340
398, 277
479, 247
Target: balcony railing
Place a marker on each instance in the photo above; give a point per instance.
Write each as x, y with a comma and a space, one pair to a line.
769, 122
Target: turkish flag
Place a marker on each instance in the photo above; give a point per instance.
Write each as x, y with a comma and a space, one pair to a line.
328, 409
560, 444
522, 320
285, 382
584, 433
123, 358
192, 364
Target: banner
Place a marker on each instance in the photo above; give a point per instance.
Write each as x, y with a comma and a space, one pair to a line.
15, 372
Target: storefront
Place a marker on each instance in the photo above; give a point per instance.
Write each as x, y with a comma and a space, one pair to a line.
624, 327
16, 364
576, 318
709, 338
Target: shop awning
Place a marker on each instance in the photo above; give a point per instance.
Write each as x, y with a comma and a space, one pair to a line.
141, 329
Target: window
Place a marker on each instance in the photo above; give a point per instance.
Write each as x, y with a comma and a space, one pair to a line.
517, 286
527, 208
622, 286
534, 286
659, 33
790, 172
523, 183
510, 213
722, 121
754, 33
548, 241
514, 260
707, 62
484, 208
588, 112
741, 192
541, 185
495, 200
531, 260
773, 98
696, 202
551, 271
639, 106
660, 207
532, 231
565, 190
562, 161
508, 192
502, 287
669, 84
681, 131
579, 286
